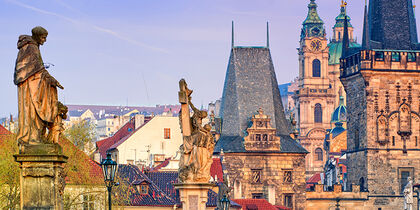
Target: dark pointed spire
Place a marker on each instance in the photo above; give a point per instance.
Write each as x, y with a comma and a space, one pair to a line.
392, 25
366, 36
345, 34
268, 37
233, 36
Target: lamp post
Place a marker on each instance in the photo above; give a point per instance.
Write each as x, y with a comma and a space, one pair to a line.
225, 203
109, 167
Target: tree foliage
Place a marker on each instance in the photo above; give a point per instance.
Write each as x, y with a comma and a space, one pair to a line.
82, 134
9, 173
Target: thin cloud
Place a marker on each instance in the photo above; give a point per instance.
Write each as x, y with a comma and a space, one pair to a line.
95, 27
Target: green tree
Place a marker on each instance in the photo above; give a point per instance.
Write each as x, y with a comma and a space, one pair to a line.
9, 173
82, 134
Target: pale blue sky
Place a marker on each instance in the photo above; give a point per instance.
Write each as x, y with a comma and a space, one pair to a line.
107, 52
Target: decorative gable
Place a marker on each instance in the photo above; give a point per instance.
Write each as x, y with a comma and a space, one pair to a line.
261, 136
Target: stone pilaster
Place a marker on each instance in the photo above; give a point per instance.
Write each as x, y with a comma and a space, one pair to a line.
193, 196
42, 177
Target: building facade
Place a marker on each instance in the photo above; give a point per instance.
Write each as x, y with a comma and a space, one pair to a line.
383, 103
259, 156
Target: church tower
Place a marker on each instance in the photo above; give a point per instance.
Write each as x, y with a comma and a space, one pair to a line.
383, 104
335, 52
315, 98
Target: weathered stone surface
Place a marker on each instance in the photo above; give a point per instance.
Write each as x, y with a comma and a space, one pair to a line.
240, 166
42, 178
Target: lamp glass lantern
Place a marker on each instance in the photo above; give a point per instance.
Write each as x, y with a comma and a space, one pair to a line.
109, 167
225, 203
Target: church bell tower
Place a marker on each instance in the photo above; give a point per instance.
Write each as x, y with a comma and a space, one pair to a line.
315, 97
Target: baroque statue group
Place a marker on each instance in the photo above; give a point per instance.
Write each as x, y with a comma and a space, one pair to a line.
38, 105
198, 142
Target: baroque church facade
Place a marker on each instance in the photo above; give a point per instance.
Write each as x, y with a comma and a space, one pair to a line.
319, 87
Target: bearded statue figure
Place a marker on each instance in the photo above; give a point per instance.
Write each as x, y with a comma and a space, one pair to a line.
38, 105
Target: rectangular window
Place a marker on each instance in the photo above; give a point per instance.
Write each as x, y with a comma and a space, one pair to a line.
257, 196
379, 56
396, 57
166, 133
256, 175
393, 141
411, 57
287, 176
288, 200
416, 142
88, 202
403, 174
258, 137
144, 189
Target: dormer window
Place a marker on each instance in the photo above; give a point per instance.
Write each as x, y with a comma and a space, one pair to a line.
144, 189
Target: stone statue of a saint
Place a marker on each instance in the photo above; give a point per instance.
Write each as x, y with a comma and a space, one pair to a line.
408, 195
224, 191
198, 142
38, 105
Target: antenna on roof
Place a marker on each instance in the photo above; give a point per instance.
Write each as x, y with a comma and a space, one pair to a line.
268, 37
233, 36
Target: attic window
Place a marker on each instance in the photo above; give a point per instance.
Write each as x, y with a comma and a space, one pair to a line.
143, 189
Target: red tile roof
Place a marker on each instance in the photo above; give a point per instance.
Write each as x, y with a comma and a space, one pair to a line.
4, 131
216, 169
161, 165
80, 168
314, 179
282, 207
255, 204
103, 145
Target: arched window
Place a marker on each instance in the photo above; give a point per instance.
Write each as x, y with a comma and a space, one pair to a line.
316, 68
318, 154
318, 113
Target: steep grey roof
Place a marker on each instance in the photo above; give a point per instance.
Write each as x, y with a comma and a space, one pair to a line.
232, 144
392, 25
251, 84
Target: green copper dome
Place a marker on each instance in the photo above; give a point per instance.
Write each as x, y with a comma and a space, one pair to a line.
336, 49
340, 113
313, 26
339, 20
336, 46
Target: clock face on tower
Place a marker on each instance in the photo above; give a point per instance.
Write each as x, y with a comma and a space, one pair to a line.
316, 45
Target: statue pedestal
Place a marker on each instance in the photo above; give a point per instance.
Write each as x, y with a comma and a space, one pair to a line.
193, 196
42, 177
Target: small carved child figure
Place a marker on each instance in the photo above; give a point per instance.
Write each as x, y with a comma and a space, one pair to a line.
57, 127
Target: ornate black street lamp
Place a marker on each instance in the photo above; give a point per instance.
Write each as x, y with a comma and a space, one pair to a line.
109, 167
225, 203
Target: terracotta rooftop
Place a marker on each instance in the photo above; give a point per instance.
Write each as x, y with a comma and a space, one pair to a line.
216, 169
103, 145
255, 204
79, 167
4, 131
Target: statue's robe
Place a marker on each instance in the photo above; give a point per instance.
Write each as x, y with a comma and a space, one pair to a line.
37, 98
